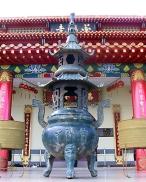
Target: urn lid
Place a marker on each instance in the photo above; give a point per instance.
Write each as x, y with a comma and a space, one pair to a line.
70, 77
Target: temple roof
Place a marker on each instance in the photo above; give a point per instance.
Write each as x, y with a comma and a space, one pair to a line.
90, 18
113, 39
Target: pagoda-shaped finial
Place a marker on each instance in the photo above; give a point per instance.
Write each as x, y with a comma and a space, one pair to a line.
72, 17
71, 28
72, 31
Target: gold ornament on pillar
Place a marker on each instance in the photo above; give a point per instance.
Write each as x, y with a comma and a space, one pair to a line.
5, 76
137, 75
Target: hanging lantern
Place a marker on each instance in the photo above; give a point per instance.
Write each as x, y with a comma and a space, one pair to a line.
25, 86
116, 85
120, 83
21, 85
28, 88
35, 91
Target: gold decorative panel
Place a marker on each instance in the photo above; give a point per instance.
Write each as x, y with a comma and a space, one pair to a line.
132, 133
11, 134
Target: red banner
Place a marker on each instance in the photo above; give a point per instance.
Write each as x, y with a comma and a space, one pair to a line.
5, 100
139, 98
138, 88
5, 109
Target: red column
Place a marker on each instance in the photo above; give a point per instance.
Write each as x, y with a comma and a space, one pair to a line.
6, 86
139, 110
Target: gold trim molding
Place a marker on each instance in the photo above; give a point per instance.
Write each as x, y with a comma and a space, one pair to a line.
11, 134
132, 133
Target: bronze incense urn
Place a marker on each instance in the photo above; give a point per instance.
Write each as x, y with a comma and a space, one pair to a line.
71, 131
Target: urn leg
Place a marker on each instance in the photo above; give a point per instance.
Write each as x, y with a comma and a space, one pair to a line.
49, 159
70, 157
91, 159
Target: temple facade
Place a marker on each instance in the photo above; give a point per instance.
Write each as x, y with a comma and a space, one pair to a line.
117, 66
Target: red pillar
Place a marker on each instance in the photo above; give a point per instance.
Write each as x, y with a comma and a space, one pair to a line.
139, 110
6, 86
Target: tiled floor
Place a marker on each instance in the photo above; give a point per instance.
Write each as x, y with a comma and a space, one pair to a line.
105, 174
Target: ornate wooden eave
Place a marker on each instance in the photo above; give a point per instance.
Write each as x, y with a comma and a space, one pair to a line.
80, 35
41, 54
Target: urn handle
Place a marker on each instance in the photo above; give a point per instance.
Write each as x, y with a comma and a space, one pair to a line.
100, 115
41, 112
